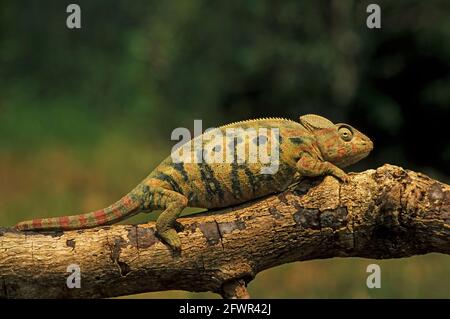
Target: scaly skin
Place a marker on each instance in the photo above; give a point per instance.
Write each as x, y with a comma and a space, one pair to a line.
314, 146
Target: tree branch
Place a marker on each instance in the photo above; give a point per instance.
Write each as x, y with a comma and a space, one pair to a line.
385, 213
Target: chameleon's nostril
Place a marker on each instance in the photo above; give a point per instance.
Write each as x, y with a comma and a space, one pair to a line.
367, 143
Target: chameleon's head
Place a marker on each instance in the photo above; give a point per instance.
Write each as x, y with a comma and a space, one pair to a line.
340, 144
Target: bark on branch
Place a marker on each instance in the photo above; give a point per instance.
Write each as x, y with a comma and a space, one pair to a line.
385, 213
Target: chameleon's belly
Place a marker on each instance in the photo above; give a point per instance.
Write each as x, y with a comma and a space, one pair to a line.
217, 185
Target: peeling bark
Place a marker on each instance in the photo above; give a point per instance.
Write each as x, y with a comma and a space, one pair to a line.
385, 213
235, 289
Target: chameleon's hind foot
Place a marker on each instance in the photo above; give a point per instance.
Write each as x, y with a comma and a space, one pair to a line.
171, 238
166, 224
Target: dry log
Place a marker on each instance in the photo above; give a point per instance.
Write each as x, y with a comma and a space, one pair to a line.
389, 212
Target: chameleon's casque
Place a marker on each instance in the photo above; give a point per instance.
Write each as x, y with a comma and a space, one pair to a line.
314, 146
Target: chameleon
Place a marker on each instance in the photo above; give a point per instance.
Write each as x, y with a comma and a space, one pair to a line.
312, 146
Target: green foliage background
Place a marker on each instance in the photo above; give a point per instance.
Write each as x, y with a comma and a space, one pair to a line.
86, 114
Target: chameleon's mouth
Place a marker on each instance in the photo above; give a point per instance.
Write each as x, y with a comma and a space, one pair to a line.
363, 149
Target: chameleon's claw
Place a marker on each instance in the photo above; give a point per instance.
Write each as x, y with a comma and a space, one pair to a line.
345, 178
340, 174
170, 237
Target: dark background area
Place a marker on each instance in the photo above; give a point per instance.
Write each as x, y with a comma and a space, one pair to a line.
86, 114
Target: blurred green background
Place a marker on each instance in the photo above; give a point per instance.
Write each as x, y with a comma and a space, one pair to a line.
86, 114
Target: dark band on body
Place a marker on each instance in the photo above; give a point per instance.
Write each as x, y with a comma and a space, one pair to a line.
235, 183
212, 185
179, 167
169, 179
296, 140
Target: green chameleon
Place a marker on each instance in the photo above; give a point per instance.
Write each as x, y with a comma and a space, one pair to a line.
314, 146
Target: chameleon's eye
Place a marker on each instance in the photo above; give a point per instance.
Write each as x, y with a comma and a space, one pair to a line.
345, 134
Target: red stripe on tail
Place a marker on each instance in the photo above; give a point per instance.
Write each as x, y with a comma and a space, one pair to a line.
82, 220
100, 216
64, 221
37, 223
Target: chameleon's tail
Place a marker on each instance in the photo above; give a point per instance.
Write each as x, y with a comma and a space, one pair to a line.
124, 208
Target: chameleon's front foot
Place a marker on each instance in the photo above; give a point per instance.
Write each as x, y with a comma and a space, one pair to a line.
171, 238
341, 175
335, 171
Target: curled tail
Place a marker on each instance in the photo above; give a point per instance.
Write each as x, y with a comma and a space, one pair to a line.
127, 206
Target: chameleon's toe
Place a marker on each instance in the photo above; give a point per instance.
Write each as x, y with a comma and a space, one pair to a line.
344, 178
170, 237
341, 175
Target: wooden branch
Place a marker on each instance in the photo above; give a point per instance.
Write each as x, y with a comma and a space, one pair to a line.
385, 213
